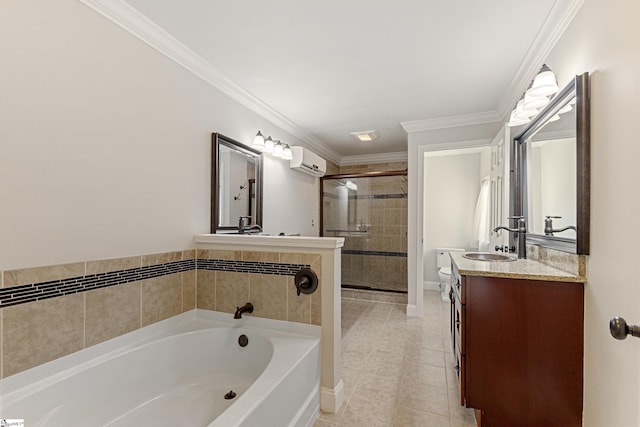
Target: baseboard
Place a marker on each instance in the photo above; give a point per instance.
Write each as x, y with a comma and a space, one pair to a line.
331, 399
309, 412
430, 286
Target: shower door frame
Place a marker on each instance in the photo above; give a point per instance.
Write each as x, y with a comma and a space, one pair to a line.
403, 172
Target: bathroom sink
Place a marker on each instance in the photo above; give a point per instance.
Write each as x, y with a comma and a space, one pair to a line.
487, 256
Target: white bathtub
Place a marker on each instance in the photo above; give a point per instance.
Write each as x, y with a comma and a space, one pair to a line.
176, 372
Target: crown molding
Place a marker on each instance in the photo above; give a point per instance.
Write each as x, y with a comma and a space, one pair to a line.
400, 156
450, 121
125, 16
556, 23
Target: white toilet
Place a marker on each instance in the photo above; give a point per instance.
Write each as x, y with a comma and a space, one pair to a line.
444, 269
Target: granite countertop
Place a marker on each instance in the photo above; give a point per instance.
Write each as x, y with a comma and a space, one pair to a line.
518, 269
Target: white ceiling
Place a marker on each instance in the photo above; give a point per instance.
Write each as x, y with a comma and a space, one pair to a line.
336, 66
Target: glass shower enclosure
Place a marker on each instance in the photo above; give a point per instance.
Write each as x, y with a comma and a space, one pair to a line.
370, 211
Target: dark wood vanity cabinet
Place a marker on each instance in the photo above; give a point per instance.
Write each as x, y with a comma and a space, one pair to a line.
518, 345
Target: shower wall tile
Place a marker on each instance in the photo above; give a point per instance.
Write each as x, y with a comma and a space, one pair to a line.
111, 312
41, 331
160, 298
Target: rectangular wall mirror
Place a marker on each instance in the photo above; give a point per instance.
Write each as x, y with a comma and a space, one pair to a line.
236, 185
551, 172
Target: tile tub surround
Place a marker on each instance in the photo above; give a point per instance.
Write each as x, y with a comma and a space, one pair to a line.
228, 278
290, 249
57, 310
49, 312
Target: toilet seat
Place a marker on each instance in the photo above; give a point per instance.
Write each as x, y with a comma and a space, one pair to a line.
446, 270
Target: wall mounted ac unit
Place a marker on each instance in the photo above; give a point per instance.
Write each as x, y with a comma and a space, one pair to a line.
308, 162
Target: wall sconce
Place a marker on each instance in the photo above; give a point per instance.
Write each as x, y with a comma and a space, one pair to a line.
269, 146
535, 98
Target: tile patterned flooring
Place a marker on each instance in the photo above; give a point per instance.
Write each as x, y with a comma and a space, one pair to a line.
397, 370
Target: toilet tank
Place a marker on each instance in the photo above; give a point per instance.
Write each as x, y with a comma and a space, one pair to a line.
442, 256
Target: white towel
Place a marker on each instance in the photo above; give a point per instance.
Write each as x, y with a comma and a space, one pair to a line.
481, 217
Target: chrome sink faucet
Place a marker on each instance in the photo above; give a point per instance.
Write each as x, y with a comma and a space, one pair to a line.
521, 231
548, 226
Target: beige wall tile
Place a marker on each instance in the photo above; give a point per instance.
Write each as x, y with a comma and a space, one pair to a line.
38, 332
232, 290
188, 290
316, 318
161, 298
260, 256
42, 274
206, 289
116, 264
268, 293
189, 254
219, 254
298, 306
296, 258
155, 259
111, 312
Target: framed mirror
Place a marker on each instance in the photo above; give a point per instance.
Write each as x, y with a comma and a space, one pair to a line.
550, 172
236, 184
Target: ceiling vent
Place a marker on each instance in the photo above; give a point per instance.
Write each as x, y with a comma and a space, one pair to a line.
365, 135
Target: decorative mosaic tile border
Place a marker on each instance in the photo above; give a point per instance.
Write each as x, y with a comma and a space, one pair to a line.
56, 288
367, 196
256, 267
374, 253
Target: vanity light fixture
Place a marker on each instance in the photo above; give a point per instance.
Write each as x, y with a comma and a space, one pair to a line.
268, 145
274, 147
278, 149
535, 98
258, 141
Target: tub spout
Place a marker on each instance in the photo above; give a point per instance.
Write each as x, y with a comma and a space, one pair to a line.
247, 308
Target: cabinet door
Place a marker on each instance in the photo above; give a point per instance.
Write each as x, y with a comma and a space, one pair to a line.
499, 187
521, 368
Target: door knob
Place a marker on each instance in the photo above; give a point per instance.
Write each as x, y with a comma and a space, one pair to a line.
619, 329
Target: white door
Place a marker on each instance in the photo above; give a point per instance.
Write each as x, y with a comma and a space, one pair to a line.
499, 212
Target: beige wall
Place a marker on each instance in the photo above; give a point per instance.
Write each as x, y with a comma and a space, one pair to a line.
106, 143
604, 40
